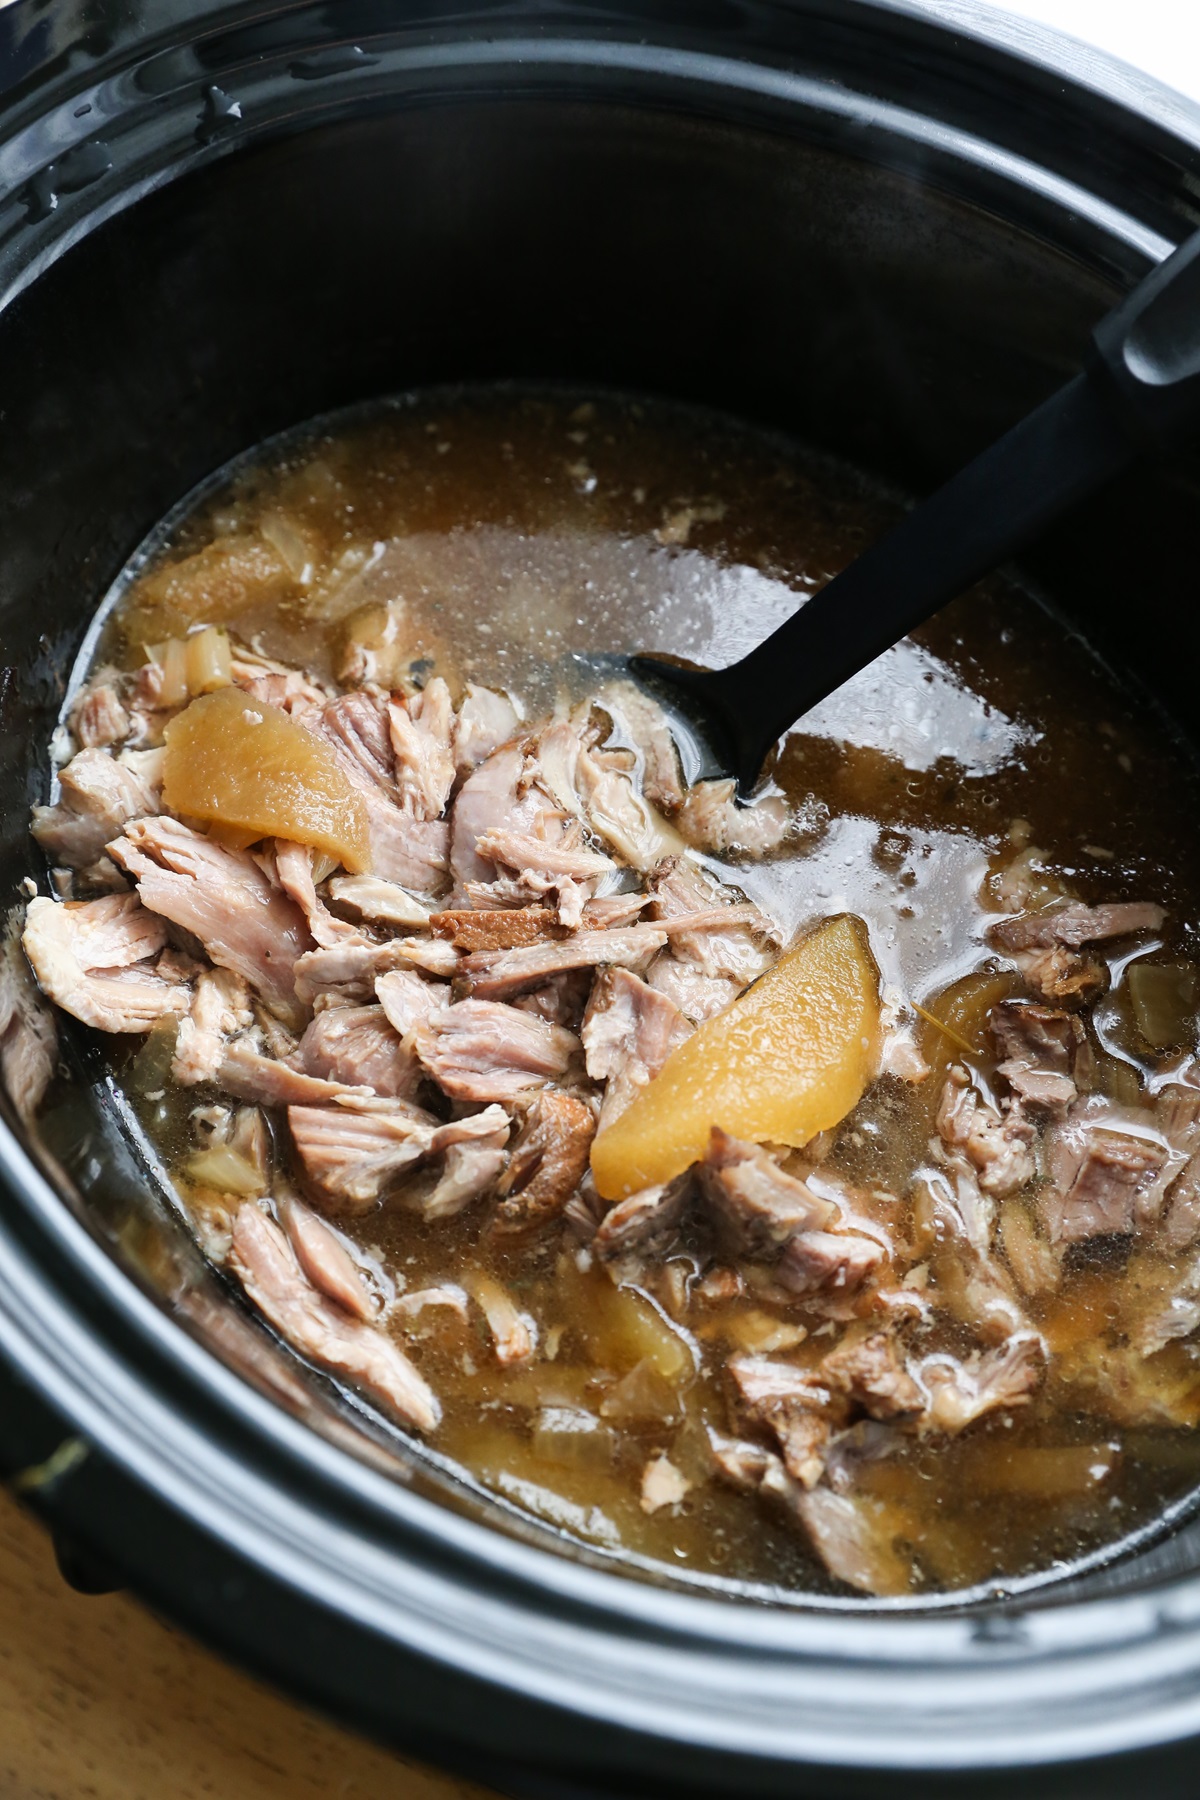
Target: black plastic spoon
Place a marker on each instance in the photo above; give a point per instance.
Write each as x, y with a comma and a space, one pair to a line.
1139, 393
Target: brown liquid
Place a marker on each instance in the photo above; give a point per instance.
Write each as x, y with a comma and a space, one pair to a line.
524, 529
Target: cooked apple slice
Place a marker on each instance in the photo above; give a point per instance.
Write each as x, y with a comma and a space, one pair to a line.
250, 771
787, 1060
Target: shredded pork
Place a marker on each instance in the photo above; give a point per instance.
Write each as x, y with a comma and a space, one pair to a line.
224, 900
440, 1035
330, 1335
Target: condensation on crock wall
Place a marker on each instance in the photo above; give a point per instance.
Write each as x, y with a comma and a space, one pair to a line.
159, 112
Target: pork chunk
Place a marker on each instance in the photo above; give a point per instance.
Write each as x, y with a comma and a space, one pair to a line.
356, 725
223, 898
850, 1535
642, 1227
268, 1081
756, 1206
352, 970
1046, 945
1041, 1037
817, 1261
495, 975
1061, 977
485, 721
28, 1038
381, 902
762, 1387
220, 1009
380, 647
1181, 1228
359, 1047
711, 819
962, 1391
871, 1373
497, 796
484, 1050
514, 1333
1073, 925
408, 999
352, 1152
277, 683
540, 862
599, 785
97, 959
791, 1403
350, 1157
956, 1219
1177, 1116
294, 872
421, 727
469, 1172
327, 1262
717, 945
998, 1143
1100, 1174
265, 1264
641, 721
1039, 1049
697, 995
746, 1466
628, 1033
546, 1164
99, 795
407, 851
98, 718
405, 848
1040, 1090
1172, 1312
709, 925
620, 814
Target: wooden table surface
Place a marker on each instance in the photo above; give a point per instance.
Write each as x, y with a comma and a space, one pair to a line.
99, 1700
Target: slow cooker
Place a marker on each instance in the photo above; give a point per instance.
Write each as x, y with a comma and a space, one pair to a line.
881, 226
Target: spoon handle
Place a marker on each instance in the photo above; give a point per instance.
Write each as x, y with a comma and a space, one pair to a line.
981, 516
1139, 391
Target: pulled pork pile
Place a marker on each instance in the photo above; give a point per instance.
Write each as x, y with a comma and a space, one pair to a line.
446, 1032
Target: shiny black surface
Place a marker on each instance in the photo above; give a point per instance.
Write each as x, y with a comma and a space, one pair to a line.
885, 233
1137, 395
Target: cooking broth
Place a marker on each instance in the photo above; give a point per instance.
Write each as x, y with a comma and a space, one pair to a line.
986, 769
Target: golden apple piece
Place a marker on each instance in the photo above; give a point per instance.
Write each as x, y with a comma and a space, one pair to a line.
787, 1060
247, 769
